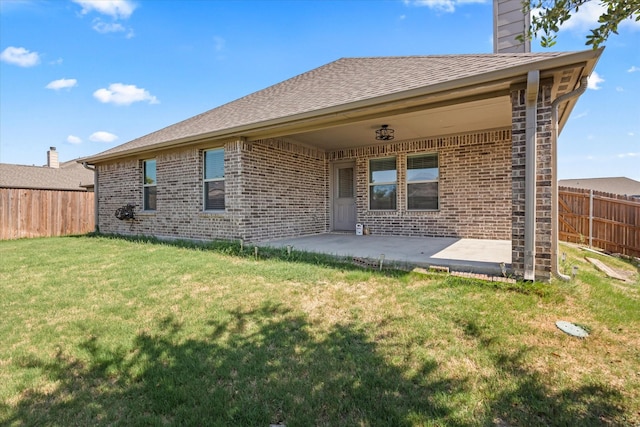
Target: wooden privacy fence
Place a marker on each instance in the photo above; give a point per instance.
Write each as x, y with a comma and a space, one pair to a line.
606, 221
43, 213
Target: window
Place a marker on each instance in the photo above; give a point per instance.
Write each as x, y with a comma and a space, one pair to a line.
214, 180
422, 182
149, 187
382, 184
345, 183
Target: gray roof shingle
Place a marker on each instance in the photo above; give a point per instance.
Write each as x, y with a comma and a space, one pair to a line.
341, 82
614, 185
69, 176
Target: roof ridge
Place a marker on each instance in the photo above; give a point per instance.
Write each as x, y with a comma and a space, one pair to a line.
458, 55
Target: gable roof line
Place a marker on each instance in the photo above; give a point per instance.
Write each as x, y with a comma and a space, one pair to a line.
455, 87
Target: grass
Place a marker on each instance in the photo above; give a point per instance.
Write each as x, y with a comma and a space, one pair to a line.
103, 331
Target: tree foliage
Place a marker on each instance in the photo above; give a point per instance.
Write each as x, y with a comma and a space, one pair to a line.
553, 13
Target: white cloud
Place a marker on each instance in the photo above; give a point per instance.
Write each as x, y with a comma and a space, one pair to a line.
594, 81
580, 115
62, 84
448, 6
587, 18
631, 134
117, 9
56, 62
623, 155
631, 23
121, 94
111, 27
72, 139
619, 89
633, 69
102, 136
20, 56
219, 43
104, 27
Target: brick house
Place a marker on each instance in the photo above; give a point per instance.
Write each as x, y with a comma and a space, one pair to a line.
473, 155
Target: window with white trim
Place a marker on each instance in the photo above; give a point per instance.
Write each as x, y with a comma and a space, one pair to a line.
422, 182
213, 179
383, 183
149, 187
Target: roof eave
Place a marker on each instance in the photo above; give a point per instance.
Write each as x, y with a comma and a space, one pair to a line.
590, 65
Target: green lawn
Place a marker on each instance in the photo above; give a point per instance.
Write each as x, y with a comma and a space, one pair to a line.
103, 331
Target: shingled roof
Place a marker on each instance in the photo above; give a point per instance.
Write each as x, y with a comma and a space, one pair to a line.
341, 83
614, 185
69, 176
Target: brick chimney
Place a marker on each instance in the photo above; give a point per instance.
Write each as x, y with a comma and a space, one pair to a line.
52, 158
508, 22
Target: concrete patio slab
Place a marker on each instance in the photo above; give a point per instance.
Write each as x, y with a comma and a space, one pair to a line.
470, 255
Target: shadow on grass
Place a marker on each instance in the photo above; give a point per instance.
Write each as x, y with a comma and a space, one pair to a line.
257, 368
532, 403
529, 401
271, 366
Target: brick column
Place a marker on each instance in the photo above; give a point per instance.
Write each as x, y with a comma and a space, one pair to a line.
543, 181
238, 207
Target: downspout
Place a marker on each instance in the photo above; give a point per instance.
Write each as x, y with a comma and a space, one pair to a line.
531, 103
554, 179
95, 193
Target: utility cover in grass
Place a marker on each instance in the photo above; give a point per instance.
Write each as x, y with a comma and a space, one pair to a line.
571, 329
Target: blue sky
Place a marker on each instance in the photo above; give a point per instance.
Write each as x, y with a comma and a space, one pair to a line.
85, 76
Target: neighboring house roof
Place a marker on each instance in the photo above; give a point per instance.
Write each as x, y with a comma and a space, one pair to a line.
615, 185
349, 84
69, 176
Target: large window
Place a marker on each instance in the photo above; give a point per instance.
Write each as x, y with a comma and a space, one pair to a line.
422, 182
149, 188
214, 180
383, 184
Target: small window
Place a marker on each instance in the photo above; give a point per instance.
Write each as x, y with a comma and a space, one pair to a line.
149, 187
382, 184
214, 180
422, 182
345, 183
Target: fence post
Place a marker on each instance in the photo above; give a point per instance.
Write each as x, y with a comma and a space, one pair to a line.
591, 218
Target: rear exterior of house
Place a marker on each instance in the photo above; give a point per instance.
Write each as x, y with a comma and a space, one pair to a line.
472, 157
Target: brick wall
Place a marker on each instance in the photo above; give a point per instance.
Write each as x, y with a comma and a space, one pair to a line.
474, 187
179, 211
275, 188
543, 182
284, 190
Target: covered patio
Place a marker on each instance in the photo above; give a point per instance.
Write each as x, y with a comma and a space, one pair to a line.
467, 255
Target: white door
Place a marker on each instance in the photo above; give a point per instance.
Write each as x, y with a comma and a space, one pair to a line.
344, 197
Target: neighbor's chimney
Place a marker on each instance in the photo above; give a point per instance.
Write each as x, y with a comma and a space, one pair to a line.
52, 158
509, 22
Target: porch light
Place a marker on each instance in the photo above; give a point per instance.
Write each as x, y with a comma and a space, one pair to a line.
384, 133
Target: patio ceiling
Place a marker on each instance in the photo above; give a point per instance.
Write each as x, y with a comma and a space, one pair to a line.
464, 110
471, 116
